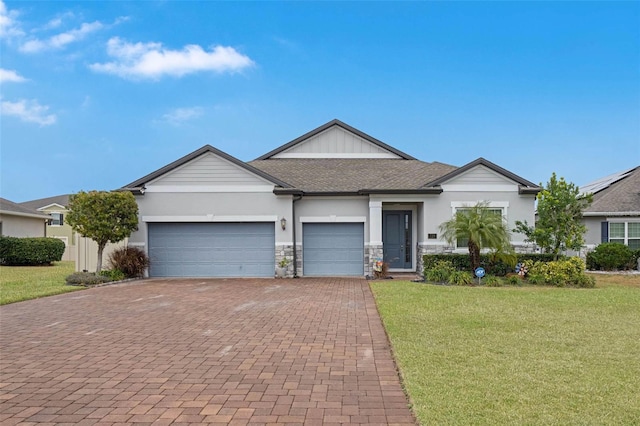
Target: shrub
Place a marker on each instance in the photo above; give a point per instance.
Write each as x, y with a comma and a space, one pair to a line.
513, 280
113, 274
610, 256
132, 261
439, 271
560, 273
492, 281
30, 251
460, 278
535, 278
492, 264
86, 278
585, 281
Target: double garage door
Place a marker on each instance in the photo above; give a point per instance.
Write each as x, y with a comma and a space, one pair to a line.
248, 249
212, 249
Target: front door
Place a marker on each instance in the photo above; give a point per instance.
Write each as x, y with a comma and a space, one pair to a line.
396, 238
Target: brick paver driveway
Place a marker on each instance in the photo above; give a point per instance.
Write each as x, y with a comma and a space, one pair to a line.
200, 351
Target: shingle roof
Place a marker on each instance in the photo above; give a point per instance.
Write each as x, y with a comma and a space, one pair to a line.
352, 175
621, 196
9, 207
62, 200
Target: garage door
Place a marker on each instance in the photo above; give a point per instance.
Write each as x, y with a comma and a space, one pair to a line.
333, 249
212, 249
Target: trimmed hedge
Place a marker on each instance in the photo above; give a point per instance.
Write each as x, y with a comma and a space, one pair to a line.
30, 251
86, 279
462, 262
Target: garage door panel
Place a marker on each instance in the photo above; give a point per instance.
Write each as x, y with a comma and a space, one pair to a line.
333, 249
212, 249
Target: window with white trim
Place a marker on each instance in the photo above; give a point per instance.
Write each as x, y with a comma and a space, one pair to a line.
627, 233
57, 219
464, 242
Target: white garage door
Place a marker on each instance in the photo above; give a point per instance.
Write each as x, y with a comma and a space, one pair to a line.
333, 249
212, 249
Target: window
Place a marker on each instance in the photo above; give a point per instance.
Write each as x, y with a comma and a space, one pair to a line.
627, 233
464, 242
57, 219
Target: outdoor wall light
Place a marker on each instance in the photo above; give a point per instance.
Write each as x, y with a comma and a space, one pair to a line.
283, 223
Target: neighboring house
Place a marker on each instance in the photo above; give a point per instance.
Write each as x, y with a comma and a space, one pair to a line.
614, 215
20, 221
56, 209
342, 198
82, 250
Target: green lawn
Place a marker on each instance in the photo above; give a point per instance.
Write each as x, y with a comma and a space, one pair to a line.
525, 355
19, 283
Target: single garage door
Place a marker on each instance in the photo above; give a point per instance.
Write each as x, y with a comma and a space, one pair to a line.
333, 249
212, 249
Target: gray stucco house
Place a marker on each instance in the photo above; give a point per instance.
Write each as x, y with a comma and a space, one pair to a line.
342, 198
614, 215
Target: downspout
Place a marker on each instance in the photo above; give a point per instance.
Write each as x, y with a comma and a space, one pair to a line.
295, 247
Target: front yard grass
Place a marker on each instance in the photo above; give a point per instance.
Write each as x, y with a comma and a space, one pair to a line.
517, 355
18, 283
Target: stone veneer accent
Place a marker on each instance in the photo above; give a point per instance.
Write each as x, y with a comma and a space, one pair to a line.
371, 254
286, 251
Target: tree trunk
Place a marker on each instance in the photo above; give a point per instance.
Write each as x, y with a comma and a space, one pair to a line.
99, 262
474, 255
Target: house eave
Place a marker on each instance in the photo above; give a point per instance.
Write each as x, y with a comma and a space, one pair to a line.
434, 190
29, 215
528, 190
611, 214
138, 190
197, 153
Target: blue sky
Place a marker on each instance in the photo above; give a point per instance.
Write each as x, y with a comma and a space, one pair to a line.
98, 94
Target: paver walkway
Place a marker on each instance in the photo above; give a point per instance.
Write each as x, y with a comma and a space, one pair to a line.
309, 351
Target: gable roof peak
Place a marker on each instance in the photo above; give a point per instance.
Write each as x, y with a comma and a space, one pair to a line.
525, 185
344, 126
137, 184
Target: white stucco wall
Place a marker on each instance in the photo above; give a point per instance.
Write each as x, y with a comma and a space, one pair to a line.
518, 207
333, 209
213, 207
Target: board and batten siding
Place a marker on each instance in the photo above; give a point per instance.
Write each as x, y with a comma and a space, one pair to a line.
333, 142
209, 169
480, 176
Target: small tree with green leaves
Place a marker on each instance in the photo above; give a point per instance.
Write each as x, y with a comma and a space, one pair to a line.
558, 227
481, 227
105, 217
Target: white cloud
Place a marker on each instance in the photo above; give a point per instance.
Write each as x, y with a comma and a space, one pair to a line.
10, 76
61, 40
180, 115
9, 26
57, 21
152, 61
28, 110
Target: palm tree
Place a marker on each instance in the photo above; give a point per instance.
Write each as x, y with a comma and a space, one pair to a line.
481, 227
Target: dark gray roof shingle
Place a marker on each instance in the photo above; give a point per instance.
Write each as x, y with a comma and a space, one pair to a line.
9, 207
62, 200
352, 175
619, 197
